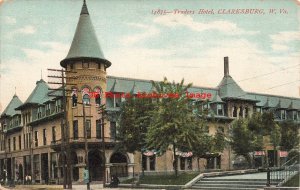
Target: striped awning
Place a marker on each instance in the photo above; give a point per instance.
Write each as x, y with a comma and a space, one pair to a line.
184, 154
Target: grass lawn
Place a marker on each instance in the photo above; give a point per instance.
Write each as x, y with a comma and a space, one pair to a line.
294, 182
165, 179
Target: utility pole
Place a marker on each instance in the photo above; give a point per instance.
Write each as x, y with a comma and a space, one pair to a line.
65, 131
86, 147
103, 113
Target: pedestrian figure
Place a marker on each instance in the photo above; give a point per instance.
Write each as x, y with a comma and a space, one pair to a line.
114, 181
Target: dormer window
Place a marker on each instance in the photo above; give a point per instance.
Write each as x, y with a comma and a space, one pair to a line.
246, 112
283, 114
39, 113
48, 109
220, 109
258, 109
57, 106
295, 116
234, 111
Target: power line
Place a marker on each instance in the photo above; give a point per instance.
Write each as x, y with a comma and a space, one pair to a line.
257, 76
262, 75
272, 87
282, 85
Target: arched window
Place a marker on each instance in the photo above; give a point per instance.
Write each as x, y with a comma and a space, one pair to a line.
74, 100
97, 92
246, 112
98, 99
86, 99
234, 113
241, 111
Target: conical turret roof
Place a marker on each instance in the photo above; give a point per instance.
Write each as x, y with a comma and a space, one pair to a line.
85, 45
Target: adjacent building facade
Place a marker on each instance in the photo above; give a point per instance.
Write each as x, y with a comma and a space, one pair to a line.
31, 134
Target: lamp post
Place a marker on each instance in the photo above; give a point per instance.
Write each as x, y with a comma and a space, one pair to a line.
4, 134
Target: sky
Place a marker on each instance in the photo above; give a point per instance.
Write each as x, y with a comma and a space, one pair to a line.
141, 42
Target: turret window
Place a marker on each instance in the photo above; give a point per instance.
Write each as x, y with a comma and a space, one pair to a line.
220, 109
86, 99
85, 65
74, 100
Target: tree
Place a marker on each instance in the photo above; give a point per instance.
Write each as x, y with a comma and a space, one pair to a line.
289, 135
135, 117
242, 139
173, 123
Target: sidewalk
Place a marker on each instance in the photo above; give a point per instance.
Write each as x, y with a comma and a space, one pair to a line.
60, 187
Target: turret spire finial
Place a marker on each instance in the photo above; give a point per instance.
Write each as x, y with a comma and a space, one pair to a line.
84, 9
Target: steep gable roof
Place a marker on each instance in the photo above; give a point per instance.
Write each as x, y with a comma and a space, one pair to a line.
39, 95
10, 108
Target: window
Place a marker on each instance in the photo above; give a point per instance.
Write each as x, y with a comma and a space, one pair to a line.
44, 137
20, 142
36, 139
98, 99
117, 100
75, 129
74, 100
36, 166
283, 114
241, 112
53, 134
246, 112
8, 145
86, 99
85, 65
99, 66
27, 140
72, 66
88, 128
148, 162
113, 129
39, 113
144, 162
294, 115
220, 109
48, 109
258, 109
152, 162
185, 163
234, 111
24, 141
98, 129
57, 106
14, 143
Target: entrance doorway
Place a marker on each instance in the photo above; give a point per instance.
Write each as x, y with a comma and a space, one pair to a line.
119, 165
95, 165
75, 169
44, 167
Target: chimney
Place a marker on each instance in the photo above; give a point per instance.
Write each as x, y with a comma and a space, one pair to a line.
226, 66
